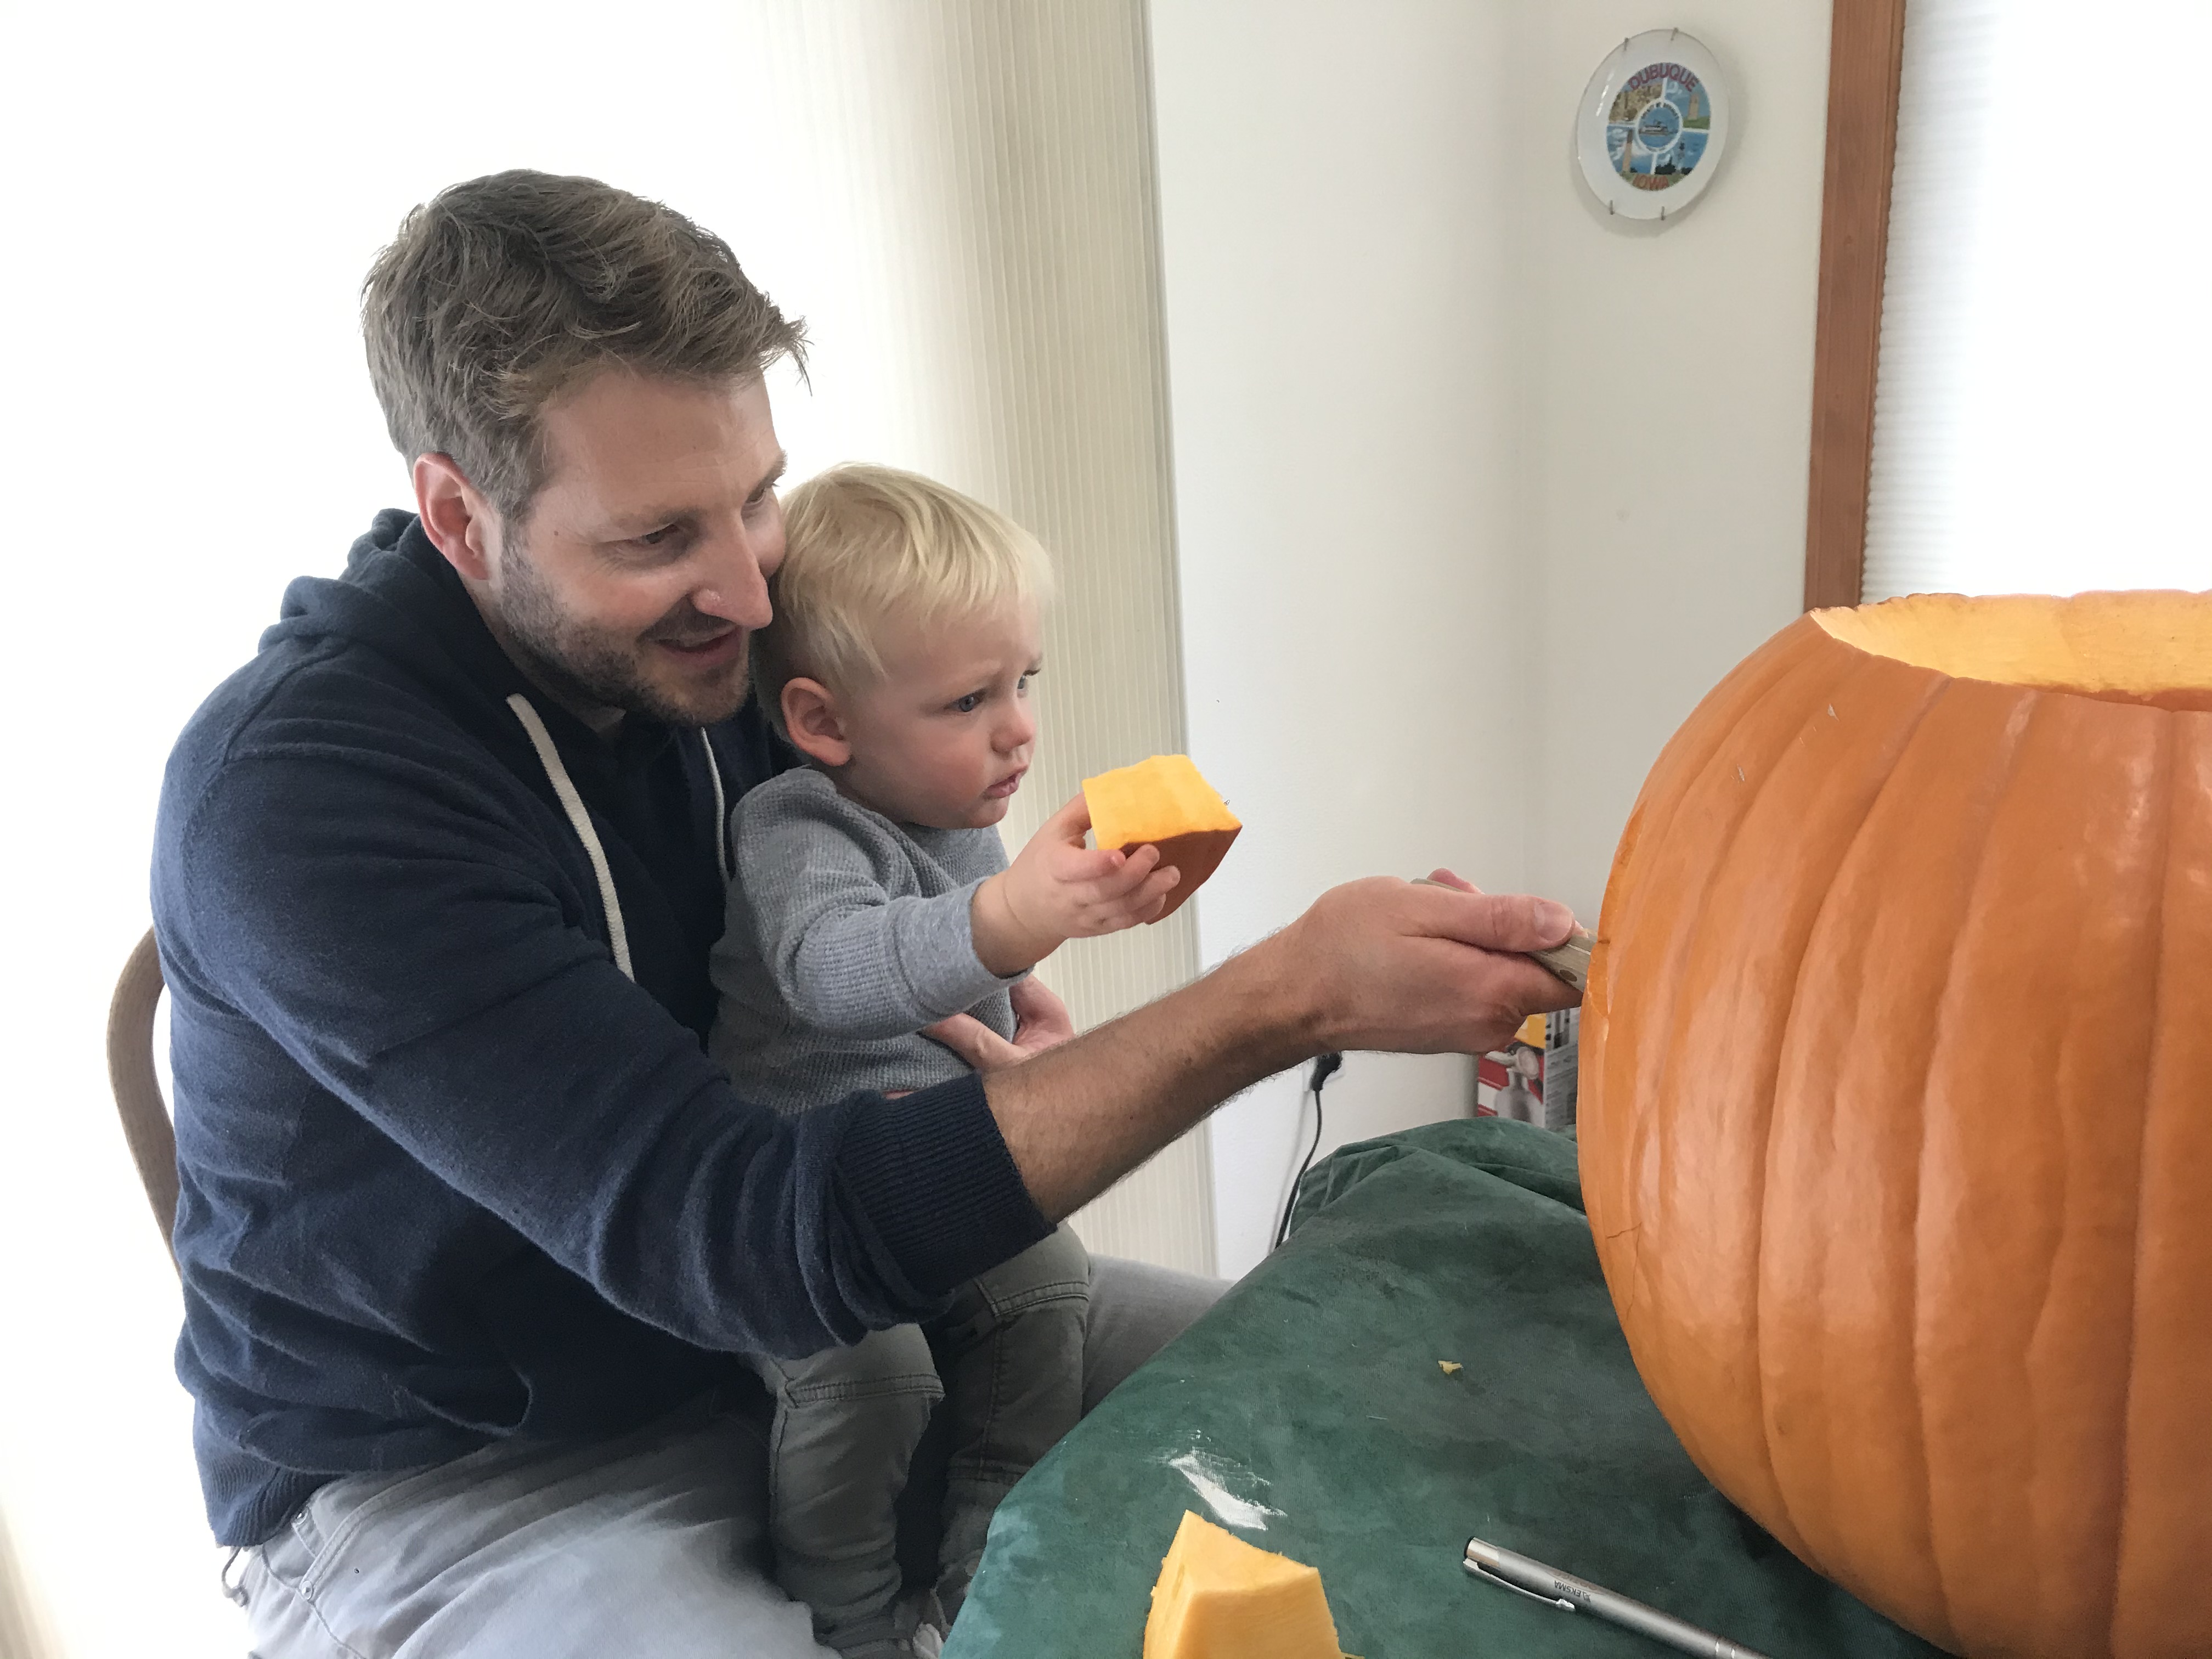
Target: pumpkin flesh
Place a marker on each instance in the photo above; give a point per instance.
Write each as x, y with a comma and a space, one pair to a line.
1218, 1597
1163, 802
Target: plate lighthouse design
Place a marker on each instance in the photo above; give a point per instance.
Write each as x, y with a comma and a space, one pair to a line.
1658, 130
1653, 125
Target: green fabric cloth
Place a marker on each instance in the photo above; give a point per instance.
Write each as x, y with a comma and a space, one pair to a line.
1314, 1390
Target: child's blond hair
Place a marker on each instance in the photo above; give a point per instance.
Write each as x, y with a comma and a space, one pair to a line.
864, 544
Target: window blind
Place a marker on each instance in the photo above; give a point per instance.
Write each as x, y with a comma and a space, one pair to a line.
2043, 406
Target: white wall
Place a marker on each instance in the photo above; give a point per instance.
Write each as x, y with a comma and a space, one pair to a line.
197, 193
1339, 328
1434, 610
1656, 576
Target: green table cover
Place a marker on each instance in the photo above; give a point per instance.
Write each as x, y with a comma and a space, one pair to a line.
1313, 1390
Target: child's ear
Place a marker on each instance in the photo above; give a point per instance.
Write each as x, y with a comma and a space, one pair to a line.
809, 714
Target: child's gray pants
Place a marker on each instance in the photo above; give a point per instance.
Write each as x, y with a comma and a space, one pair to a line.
1006, 1360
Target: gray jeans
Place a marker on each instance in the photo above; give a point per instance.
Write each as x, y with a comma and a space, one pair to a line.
1006, 1360
655, 1543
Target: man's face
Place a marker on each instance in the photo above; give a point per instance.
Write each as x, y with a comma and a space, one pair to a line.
632, 580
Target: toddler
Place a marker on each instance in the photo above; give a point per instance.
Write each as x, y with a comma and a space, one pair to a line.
873, 900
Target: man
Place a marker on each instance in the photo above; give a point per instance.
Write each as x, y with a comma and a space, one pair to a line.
471, 1229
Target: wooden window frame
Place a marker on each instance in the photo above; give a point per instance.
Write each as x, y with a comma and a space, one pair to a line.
1866, 53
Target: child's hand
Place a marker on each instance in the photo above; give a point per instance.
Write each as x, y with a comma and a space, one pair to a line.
1057, 889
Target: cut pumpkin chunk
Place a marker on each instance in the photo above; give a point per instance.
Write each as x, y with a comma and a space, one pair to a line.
1220, 1597
1164, 803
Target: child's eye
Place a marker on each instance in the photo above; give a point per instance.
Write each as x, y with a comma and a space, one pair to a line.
970, 703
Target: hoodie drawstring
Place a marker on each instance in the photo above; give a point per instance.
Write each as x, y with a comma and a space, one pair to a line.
580, 821
722, 810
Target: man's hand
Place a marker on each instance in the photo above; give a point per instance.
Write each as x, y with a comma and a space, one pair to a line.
1381, 963
1041, 1022
1424, 969
1057, 890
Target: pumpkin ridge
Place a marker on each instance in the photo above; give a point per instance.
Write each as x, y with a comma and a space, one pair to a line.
1825, 670
1811, 661
2138, 1276
1675, 779
2043, 1252
2151, 840
2161, 1567
1902, 742
1946, 1633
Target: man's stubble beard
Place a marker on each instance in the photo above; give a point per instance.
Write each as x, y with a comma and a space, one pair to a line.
585, 667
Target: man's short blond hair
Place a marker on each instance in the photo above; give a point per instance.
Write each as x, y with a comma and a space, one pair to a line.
500, 294
865, 545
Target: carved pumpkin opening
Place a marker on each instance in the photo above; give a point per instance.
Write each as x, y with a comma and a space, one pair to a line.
2152, 648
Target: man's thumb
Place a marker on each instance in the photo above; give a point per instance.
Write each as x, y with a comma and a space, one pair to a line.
973, 1041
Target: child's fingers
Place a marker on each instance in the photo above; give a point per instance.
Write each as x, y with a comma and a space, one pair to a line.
1070, 823
1142, 904
1103, 873
1123, 871
1155, 893
1142, 858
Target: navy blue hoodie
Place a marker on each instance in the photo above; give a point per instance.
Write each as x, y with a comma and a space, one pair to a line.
449, 1175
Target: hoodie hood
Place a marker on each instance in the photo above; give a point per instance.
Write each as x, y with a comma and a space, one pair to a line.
399, 597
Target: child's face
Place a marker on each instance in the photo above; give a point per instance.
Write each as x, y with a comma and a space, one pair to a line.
944, 738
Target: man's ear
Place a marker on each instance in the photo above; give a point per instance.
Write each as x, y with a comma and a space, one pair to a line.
809, 714
459, 521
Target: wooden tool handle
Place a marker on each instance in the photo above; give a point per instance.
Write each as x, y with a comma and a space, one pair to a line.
1569, 961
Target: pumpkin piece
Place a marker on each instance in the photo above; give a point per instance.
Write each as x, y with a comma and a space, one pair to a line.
1218, 1597
1896, 1122
1164, 803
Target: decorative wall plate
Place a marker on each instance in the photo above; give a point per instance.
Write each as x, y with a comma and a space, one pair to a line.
1653, 125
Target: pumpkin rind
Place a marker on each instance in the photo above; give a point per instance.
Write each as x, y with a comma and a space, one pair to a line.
1896, 1137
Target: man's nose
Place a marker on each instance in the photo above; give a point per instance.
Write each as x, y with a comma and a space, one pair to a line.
731, 585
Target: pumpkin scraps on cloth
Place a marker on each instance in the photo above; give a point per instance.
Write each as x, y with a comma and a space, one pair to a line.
1218, 1597
1896, 1122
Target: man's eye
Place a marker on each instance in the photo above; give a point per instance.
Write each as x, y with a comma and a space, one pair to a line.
660, 538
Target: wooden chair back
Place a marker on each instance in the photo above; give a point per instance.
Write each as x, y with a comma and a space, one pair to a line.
137, 1086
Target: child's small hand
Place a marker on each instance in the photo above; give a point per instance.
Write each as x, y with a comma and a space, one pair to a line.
1057, 889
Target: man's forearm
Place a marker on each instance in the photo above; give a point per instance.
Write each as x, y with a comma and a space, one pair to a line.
1080, 1116
1372, 965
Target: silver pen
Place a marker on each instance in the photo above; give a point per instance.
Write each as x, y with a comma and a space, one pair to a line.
1572, 1595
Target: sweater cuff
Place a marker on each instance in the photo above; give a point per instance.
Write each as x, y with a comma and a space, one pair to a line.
931, 1171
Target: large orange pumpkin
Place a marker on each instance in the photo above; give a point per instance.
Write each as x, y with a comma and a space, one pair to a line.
1897, 1113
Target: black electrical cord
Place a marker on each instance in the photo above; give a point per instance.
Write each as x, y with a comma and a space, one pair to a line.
1323, 1069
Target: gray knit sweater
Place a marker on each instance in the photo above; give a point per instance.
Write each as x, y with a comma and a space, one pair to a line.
847, 933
